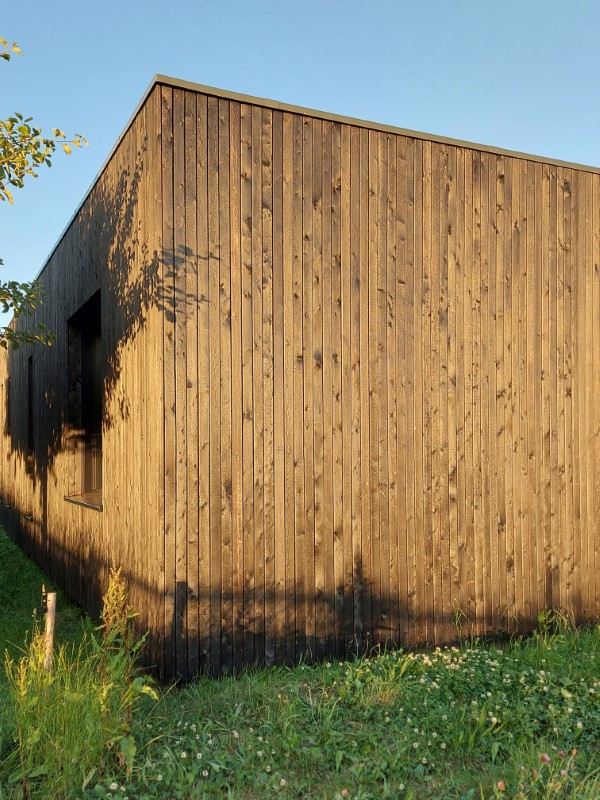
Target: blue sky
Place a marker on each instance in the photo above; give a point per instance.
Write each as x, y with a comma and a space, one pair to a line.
521, 75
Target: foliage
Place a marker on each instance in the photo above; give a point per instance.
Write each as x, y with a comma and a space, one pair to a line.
521, 722
24, 149
74, 723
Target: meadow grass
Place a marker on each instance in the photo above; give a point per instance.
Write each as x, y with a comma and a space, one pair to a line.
476, 721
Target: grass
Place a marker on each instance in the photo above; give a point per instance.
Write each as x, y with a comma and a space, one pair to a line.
478, 721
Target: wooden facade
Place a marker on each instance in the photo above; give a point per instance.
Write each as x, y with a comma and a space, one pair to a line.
350, 386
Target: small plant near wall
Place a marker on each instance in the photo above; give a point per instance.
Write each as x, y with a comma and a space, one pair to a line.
73, 723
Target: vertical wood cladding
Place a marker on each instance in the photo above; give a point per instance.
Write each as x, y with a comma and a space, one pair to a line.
396, 365
112, 247
350, 390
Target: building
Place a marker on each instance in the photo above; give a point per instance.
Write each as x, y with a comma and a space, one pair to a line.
317, 384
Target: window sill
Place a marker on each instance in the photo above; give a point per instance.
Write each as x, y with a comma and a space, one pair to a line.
86, 500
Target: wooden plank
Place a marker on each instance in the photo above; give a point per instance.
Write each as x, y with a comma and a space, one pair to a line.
298, 348
594, 565
224, 322
579, 259
529, 564
308, 554
460, 410
413, 385
507, 560
355, 344
578, 578
247, 215
476, 546
288, 388
268, 382
538, 322
553, 380
155, 468
203, 346
345, 355
498, 463
489, 357
395, 512
191, 383
515, 570
237, 405
522, 568
279, 404
336, 384
450, 555
404, 386
328, 548
180, 359
591, 322
382, 306
373, 402
560, 393
438, 386
425, 598
214, 336
170, 665
257, 389
545, 386
317, 388
365, 470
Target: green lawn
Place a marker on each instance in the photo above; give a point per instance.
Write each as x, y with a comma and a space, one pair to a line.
517, 721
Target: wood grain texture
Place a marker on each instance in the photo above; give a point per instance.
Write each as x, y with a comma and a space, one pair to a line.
349, 388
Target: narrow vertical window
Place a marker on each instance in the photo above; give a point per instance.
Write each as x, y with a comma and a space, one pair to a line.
86, 358
30, 441
7, 421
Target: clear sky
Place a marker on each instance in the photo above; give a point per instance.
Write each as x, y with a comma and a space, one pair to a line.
521, 75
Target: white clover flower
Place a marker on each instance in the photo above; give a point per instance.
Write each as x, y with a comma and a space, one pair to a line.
416, 745
443, 745
159, 777
205, 773
423, 760
183, 754
580, 724
198, 756
267, 768
283, 782
260, 753
114, 786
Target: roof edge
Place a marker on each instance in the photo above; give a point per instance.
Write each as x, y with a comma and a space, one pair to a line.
276, 105
177, 83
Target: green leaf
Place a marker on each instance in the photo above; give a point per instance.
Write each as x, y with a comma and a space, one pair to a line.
37, 772
495, 750
128, 751
88, 777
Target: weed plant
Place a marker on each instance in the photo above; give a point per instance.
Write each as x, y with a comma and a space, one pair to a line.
475, 722
74, 723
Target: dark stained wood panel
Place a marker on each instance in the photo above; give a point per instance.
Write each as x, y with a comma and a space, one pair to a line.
349, 388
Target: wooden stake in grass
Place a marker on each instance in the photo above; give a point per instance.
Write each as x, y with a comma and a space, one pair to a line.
49, 631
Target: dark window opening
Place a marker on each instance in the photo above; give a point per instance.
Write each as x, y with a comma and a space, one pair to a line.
7, 420
85, 398
30, 442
